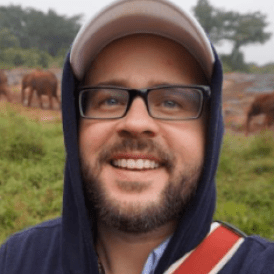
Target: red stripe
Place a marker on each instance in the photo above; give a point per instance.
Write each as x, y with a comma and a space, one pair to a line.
209, 252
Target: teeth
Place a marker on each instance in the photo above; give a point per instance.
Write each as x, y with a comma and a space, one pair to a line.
135, 164
123, 163
139, 164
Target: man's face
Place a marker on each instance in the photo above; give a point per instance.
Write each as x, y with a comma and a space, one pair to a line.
168, 155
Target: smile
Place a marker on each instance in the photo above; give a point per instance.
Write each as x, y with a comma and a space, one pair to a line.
135, 164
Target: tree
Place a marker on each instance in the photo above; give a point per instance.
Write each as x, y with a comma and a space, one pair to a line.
243, 29
50, 31
34, 29
7, 39
239, 29
207, 16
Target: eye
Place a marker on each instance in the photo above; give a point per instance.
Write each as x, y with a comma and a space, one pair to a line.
170, 104
110, 102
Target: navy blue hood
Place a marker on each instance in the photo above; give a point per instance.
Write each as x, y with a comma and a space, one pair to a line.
77, 243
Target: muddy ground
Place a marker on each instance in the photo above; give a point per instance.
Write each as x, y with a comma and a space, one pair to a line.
239, 91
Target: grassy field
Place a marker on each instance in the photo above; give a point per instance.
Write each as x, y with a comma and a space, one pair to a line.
245, 183
31, 172
31, 177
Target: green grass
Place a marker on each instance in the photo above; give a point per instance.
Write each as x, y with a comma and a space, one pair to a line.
31, 172
245, 183
31, 177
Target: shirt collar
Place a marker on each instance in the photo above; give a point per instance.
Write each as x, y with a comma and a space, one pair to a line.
154, 257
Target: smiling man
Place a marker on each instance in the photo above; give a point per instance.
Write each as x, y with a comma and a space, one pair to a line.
141, 102
142, 171
146, 163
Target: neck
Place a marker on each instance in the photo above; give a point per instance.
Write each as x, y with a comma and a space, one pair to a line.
120, 252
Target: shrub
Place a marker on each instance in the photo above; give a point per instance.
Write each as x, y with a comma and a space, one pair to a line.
18, 141
25, 57
31, 172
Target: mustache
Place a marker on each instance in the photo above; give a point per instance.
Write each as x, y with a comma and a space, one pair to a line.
147, 146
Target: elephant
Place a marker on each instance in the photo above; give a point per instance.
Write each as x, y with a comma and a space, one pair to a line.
262, 104
4, 88
44, 83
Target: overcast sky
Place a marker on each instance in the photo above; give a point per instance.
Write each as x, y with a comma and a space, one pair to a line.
261, 54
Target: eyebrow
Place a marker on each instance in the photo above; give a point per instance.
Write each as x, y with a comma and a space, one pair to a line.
125, 84
113, 82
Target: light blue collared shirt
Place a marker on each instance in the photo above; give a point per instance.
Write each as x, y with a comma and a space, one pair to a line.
154, 257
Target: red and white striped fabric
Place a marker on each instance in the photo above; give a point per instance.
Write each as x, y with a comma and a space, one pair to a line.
211, 255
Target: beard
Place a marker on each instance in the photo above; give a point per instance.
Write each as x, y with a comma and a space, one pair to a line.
138, 217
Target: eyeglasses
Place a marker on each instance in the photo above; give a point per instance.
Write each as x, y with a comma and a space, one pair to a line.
165, 102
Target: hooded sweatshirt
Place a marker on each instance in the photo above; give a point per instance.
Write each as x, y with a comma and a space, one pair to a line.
65, 245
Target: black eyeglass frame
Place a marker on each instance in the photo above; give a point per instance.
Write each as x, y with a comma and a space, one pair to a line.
204, 90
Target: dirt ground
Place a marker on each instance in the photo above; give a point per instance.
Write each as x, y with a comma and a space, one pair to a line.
239, 91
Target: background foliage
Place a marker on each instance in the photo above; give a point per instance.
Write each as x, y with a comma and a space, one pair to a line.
238, 29
32, 38
245, 183
27, 34
31, 172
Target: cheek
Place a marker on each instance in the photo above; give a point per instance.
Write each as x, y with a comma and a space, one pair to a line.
93, 135
186, 140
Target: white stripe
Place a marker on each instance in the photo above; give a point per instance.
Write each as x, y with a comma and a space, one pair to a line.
227, 257
174, 266
213, 227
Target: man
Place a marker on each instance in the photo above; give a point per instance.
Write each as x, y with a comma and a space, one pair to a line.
143, 128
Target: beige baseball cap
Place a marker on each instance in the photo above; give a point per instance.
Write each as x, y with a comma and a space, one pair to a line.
125, 17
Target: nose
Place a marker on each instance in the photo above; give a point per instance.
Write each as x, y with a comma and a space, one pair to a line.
137, 122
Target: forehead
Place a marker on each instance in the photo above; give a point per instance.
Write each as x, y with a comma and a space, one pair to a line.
145, 55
